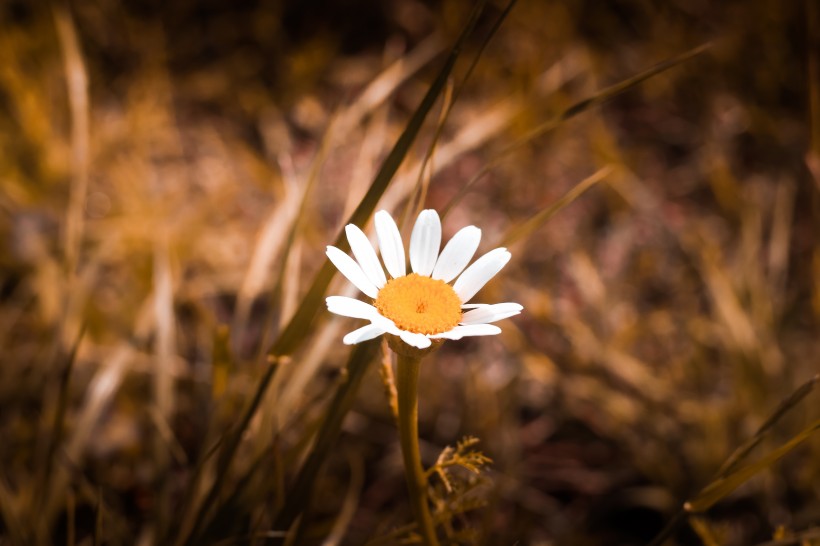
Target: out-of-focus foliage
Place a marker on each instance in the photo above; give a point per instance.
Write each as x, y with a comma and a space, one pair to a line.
668, 310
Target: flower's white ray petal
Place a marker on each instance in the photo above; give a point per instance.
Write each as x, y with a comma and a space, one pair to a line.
474, 305
350, 269
350, 307
457, 254
469, 330
491, 313
425, 242
390, 244
420, 341
385, 324
365, 255
362, 334
483, 269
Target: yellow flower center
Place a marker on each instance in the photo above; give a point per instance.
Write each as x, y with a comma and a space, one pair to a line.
420, 304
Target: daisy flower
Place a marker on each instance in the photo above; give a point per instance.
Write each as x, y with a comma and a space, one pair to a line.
421, 306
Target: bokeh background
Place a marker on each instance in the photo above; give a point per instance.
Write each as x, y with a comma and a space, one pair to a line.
667, 311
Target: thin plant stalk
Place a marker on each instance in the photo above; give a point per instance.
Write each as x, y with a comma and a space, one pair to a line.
294, 332
407, 378
298, 497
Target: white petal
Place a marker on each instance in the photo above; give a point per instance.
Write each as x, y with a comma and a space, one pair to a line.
365, 255
470, 330
350, 269
419, 341
350, 307
476, 276
362, 334
425, 242
491, 313
390, 245
457, 253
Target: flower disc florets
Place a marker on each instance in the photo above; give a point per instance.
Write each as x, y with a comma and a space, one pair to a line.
420, 304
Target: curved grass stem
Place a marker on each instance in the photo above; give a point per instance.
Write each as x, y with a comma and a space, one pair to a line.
407, 377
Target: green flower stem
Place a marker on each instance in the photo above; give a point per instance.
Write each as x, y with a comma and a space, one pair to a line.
407, 379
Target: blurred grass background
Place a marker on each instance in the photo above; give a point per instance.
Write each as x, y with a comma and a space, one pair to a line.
155, 156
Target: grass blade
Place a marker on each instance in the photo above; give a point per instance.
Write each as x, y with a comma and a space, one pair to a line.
297, 328
58, 429
577, 108
795, 539
285, 221
718, 489
9, 514
732, 462
299, 493
420, 191
229, 447
77, 84
527, 228
351, 502
743, 451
